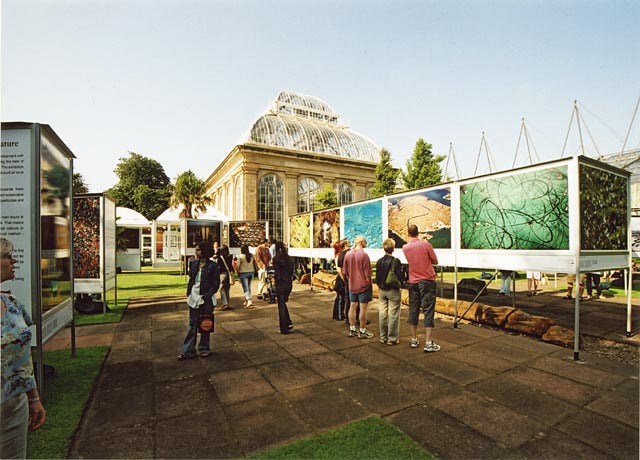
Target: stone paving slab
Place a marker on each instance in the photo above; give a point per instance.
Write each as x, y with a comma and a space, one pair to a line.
240, 385
559, 387
614, 438
554, 445
204, 434
523, 399
136, 442
290, 375
325, 406
495, 421
265, 422
446, 437
184, 396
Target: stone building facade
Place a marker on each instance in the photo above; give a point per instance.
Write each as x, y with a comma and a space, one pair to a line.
295, 149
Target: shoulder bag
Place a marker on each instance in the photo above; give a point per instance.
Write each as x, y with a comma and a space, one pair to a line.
232, 277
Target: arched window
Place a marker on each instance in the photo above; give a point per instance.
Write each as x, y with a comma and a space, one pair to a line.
238, 199
271, 204
345, 193
229, 210
307, 189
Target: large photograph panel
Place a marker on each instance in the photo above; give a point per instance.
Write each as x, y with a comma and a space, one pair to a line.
364, 219
201, 230
603, 209
251, 233
522, 211
430, 210
299, 231
55, 241
86, 237
326, 228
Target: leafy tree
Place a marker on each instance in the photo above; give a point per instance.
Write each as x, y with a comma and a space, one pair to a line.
79, 185
327, 198
386, 176
190, 191
423, 169
143, 185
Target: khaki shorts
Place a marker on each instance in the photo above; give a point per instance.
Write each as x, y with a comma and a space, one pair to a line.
571, 278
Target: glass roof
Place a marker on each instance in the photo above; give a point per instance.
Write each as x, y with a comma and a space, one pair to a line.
299, 122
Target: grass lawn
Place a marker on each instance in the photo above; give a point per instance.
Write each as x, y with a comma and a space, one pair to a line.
66, 394
147, 283
371, 438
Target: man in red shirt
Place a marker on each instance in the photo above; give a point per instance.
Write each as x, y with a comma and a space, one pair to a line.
357, 268
422, 287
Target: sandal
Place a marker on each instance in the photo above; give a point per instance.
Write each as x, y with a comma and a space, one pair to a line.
204, 354
568, 297
183, 357
224, 307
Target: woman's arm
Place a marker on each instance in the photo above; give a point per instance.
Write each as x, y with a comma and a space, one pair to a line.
37, 414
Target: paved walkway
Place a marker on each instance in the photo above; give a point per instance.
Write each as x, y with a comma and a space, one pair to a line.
487, 394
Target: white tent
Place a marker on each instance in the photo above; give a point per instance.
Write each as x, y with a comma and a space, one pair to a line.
171, 214
131, 260
129, 218
170, 222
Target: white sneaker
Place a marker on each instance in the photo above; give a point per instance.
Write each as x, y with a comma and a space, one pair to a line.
431, 347
414, 343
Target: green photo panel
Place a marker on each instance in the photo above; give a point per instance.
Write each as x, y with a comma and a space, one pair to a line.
430, 210
326, 228
603, 209
524, 211
364, 219
299, 231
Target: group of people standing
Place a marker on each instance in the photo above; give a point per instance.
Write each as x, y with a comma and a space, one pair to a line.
212, 269
354, 288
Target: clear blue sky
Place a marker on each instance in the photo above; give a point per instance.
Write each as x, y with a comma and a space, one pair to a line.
181, 81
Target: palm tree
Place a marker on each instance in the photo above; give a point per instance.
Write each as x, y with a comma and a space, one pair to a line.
189, 191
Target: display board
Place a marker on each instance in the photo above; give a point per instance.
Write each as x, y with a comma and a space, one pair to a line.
364, 219
194, 231
35, 202
94, 244
545, 217
429, 210
326, 228
252, 233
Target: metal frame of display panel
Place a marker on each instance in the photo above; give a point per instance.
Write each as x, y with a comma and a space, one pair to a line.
28, 192
106, 279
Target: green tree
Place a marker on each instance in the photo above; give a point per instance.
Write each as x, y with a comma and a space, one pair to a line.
386, 176
143, 186
423, 169
190, 192
327, 198
79, 185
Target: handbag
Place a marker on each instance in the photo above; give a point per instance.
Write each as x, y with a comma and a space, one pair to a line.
232, 277
206, 321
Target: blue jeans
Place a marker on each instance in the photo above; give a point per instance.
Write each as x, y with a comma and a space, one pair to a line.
422, 295
224, 288
245, 280
189, 346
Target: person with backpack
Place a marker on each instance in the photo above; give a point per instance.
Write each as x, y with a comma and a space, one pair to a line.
389, 278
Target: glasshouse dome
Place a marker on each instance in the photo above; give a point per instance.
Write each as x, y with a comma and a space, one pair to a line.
299, 122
